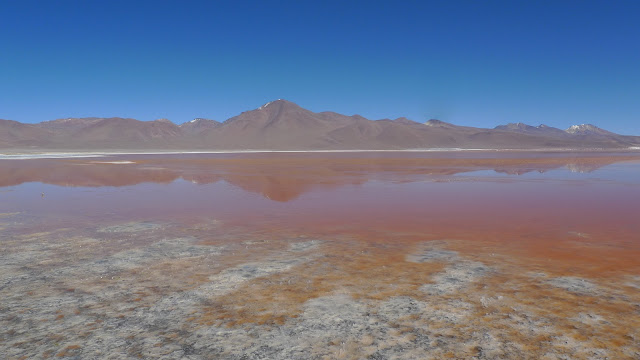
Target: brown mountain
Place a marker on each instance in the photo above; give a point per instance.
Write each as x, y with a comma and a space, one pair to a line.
67, 125
534, 130
111, 133
588, 129
435, 123
278, 124
283, 125
14, 134
198, 125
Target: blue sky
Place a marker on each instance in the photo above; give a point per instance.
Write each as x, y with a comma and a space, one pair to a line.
476, 63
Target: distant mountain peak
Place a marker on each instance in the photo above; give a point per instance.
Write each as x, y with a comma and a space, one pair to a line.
522, 126
199, 120
438, 123
576, 128
531, 130
514, 126
404, 120
587, 129
198, 125
282, 101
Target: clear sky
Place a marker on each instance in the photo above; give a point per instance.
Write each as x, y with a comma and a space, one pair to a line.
476, 63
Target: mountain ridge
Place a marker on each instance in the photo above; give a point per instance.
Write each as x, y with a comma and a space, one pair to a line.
284, 125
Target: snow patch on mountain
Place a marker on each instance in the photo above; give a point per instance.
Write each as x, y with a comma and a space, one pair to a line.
584, 129
267, 104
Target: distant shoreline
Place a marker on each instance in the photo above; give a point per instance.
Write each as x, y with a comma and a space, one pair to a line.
24, 155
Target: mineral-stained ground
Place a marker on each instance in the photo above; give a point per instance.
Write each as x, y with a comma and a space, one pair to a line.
145, 289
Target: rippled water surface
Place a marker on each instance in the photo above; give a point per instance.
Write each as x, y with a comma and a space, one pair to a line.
299, 256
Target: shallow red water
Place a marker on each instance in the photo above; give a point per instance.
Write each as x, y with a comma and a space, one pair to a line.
532, 207
518, 214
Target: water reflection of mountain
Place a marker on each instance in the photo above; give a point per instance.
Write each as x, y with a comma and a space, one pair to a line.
574, 167
276, 177
583, 168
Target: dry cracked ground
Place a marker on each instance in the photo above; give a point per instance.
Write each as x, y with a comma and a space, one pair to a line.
211, 291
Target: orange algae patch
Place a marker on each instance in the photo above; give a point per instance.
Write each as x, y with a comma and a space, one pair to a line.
358, 270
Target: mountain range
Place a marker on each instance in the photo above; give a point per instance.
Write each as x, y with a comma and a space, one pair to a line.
283, 125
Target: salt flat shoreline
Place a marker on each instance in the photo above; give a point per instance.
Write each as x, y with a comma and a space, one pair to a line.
24, 155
